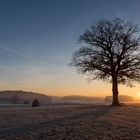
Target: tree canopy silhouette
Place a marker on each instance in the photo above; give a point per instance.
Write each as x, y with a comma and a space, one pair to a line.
112, 53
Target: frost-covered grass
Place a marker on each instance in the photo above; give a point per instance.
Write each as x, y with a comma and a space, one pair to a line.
71, 122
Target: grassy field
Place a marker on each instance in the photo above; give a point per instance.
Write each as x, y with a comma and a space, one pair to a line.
70, 122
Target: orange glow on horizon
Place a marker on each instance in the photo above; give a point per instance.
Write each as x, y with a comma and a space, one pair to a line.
75, 86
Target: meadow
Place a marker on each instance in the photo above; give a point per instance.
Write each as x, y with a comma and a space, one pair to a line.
70, 122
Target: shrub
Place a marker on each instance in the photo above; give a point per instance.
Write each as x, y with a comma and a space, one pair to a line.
35, 103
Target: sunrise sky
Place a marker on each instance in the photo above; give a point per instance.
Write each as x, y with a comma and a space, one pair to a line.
38, 38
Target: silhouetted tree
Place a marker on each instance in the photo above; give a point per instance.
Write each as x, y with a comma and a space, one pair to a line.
15, 99
35, 103
112, 53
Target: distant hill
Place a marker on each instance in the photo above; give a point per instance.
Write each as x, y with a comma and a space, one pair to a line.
19, 96
122, 98
83, 98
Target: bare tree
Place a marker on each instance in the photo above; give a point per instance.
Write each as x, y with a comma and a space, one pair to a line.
15, 99
112, 53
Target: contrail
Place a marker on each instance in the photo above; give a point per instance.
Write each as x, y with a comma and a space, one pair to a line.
29, 57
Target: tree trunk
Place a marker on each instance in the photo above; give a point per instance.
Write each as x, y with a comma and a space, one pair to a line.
115, 100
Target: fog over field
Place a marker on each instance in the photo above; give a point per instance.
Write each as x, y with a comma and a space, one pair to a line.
24, 99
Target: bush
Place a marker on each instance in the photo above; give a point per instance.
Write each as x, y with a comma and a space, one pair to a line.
35, 103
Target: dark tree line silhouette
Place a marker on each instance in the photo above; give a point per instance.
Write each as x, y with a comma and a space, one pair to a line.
112, 53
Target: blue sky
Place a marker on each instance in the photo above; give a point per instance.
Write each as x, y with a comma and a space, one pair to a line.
38, 38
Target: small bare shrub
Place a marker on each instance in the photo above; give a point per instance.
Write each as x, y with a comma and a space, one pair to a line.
35, 103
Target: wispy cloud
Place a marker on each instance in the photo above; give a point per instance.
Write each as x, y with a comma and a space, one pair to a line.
6, 67
53, 66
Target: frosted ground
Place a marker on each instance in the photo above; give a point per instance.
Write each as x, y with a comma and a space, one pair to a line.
70, 122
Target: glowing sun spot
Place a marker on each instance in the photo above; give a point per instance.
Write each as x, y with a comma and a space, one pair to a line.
139, 94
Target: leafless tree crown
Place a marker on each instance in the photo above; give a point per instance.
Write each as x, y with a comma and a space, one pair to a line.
112, 50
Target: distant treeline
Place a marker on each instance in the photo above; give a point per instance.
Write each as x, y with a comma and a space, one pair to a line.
19, 96
122, 98
23, 97
83, 98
